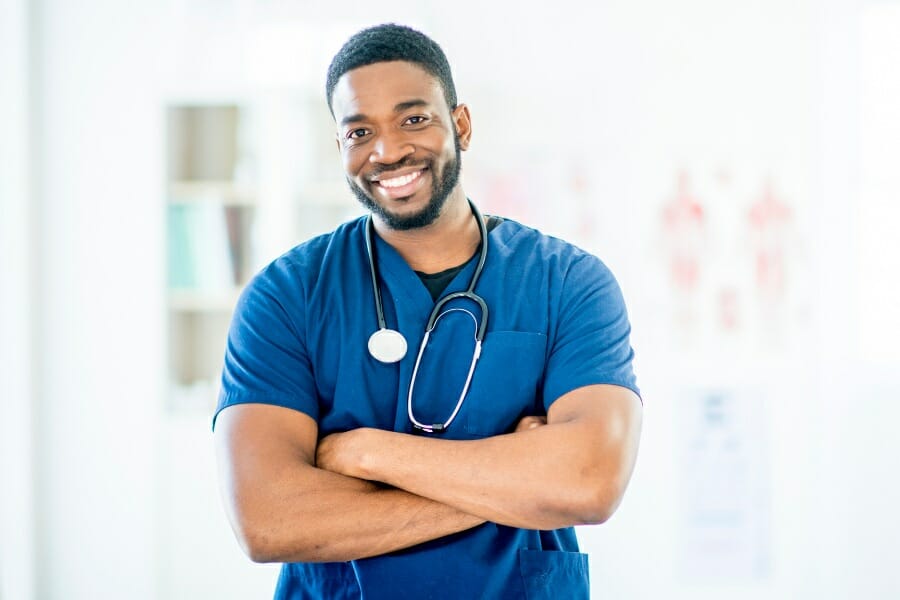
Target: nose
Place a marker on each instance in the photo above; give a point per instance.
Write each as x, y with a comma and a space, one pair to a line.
390, 148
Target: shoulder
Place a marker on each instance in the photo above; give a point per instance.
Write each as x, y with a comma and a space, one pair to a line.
286, 282
560, 258
304, 263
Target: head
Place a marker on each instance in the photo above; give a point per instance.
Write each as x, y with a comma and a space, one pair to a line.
400, 129
386, 43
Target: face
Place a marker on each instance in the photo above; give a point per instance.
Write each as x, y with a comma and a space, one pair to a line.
399, 141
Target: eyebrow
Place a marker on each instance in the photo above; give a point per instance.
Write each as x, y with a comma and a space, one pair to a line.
410, 104
398, 108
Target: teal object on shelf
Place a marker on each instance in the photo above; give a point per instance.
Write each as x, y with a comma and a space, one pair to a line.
181, 269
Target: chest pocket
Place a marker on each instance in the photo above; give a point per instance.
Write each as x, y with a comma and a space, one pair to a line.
506, 383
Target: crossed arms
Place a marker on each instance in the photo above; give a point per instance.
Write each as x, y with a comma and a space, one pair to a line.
366, 492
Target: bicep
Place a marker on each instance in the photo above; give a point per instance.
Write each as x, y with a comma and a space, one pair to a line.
257, 445
616, 406
609, 416
604, 420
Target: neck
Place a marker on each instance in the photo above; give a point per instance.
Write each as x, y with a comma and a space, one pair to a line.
449, 241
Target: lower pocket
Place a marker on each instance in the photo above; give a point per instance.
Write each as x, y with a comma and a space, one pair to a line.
552, 574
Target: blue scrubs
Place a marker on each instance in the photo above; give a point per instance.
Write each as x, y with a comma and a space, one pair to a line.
557, 322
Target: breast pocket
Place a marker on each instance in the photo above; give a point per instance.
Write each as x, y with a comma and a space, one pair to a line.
506, 382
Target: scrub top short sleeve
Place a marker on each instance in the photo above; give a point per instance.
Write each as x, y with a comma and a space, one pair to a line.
591, 343
265, 357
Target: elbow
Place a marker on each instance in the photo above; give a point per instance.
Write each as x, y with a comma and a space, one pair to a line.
262, 544
597, 503
258, 546
577, 507
601, 489
259, 541
261, 555
594, 513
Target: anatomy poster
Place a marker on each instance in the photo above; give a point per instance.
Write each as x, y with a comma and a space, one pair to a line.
684, 227
732, 256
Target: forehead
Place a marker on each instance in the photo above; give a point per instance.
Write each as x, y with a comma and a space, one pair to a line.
379, 87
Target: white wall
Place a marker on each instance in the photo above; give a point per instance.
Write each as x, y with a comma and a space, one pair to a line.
100, 343
629, 93
17, 262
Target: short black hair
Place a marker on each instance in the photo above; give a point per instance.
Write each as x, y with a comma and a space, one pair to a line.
389, 42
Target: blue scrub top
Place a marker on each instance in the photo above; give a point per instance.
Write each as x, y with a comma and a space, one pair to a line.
557, 322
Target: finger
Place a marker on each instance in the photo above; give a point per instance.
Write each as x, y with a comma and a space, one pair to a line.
530, 422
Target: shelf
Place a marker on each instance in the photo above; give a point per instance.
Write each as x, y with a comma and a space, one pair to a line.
203, 301
225, 192
198, 397
326, 194
211, 206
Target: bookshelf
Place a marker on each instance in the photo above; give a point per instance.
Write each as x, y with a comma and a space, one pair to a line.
245, 182
212, 206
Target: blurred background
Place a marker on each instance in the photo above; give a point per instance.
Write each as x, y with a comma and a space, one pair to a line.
736, 164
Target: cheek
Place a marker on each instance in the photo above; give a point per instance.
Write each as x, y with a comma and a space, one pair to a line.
352, 162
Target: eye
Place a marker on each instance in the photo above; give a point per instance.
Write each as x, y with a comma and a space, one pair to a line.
416, 120
355, 134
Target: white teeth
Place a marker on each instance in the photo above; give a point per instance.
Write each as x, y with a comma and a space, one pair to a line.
400, 181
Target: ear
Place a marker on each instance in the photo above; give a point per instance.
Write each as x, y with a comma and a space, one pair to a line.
462, 120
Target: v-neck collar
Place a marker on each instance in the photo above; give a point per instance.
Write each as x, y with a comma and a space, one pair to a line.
403, 279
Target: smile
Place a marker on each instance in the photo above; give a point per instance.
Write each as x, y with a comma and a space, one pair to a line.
400, 181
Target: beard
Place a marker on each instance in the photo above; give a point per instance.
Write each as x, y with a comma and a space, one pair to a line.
441, 187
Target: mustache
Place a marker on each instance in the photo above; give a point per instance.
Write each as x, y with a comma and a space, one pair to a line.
406, 162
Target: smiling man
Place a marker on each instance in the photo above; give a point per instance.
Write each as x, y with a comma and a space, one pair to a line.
424, 402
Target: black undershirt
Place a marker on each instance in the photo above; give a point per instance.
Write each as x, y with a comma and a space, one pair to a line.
438, 282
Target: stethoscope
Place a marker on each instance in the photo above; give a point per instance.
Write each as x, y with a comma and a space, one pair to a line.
389, 345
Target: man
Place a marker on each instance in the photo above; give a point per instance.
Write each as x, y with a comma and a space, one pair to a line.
376, 472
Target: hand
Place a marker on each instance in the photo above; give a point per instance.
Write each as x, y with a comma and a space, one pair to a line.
341, 452
527, 423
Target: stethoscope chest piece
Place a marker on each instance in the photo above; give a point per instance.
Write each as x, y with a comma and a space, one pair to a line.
387, 346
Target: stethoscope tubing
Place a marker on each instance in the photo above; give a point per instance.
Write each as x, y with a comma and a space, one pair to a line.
433, 318
440, 427
436, 311
370, 250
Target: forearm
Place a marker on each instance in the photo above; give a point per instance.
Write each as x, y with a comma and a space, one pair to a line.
525, 479
283, 508
328, 517
572, 471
